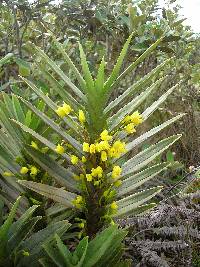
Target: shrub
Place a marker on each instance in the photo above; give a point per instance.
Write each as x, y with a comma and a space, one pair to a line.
94, 161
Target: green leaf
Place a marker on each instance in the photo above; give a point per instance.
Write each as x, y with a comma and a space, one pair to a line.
115, 120
146, 156
139, 211
69, 62
57, 194
158, 102
87, 75
59, 257
64, 252
24, 67
61, 175
5, 59
136, 86
150, 133
128, 204
24, 218
64, 77
139, 60
54, 126
35, 242
99, 83
4, 229
103, 244
19, 113
117, 67
81, 251
40, 138
59, 89
138, 179
50, 103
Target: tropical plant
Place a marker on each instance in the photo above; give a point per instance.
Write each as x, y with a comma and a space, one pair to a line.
12, 155
104, 250
20, 245
95, 164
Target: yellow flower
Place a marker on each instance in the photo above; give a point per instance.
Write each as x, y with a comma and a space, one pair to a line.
74, 159
59, 149
116, 172
78, 201
60, 111
83, 159
86, 147
81, 225
118, 183
24, 170
120, 147
127, 119
114, 205
117, 149
8, 174
89, 177
66, 108
136, 118
34, 170
92, 148
130, 128
81, 116
97, 172
34, 145
104, 156
105, 136
112, 153
25, 253
103, 145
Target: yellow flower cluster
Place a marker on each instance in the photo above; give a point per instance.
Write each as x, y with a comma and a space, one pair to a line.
78, 202
95, 172
81, 116
106, 149
114, 205
116, 172
33, 170
59, 149
35, 146
117, 149
64, 110
131, 121
105, 136
74, 159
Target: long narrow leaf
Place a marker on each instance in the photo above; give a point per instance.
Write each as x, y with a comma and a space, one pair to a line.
146, 156
132, 105
117, 67
53, 65
136, 86
57, 194
140, 178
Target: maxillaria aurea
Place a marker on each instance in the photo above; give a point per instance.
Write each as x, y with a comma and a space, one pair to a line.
94, 172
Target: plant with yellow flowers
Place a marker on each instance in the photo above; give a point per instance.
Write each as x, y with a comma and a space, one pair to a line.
94, 165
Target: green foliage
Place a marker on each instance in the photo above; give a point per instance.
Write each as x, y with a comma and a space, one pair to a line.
104, 249
19, 244
101, 120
